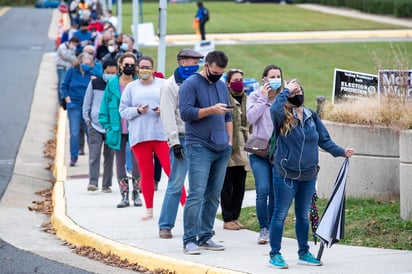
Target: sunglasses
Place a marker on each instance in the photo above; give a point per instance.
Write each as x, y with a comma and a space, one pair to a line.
236, 70
129, 65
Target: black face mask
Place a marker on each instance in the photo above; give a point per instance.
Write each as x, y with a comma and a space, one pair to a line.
213, 77
129, 70
297, 100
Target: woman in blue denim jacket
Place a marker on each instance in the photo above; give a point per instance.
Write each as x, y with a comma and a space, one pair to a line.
299, 132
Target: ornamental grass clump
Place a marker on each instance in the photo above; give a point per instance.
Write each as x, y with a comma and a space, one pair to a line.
389, 112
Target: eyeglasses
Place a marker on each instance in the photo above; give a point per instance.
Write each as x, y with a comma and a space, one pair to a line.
129, 65
236, 70
145, 67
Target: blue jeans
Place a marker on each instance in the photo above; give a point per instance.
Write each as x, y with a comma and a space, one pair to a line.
262, 172
178, 170
75, 120
206, 171
285, 191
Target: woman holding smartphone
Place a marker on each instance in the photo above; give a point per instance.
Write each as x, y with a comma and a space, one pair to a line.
258, 115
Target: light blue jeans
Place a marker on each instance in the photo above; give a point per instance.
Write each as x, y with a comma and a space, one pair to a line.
262, 172
206, 171
178, 171
285, 191
74, 113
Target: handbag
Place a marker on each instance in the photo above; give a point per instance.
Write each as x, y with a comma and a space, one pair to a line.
257, 146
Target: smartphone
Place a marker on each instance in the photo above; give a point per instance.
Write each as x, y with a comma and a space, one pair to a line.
156, 108
145, 106
229, 106
264, 81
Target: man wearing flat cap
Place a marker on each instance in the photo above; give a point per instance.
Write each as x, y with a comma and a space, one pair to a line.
188, 61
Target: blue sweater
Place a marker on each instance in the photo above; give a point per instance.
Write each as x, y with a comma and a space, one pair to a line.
296, 154
75, 85
195, 93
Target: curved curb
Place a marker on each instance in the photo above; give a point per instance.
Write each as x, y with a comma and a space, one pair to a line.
69, 231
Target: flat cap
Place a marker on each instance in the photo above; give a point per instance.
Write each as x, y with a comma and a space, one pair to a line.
188, 53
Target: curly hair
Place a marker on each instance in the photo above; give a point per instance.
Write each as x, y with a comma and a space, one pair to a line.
289, 122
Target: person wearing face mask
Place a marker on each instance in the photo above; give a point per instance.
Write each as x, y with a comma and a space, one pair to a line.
188, 61
140, 106
203, 105
258, 115
112, 50
65, 58
299, 133
234, 185
116, 128
84, 36
91, 108
127, 45
74, 88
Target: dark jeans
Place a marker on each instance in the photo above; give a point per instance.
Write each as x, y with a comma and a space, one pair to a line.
232, 193
121, 161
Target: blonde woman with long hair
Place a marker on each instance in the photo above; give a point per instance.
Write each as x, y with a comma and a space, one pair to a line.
299, 133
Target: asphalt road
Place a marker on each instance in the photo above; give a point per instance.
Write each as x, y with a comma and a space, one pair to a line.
24, 33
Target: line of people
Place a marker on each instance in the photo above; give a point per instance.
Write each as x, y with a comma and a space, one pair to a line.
197, 126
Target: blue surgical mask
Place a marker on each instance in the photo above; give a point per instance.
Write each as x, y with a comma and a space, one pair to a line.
124, 47
186, 71
108, 77
85, 67
275, 83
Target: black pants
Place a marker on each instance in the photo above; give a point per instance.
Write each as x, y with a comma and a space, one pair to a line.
232, 193
202, 30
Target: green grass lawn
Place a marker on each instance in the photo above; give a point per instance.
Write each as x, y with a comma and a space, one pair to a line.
311, 64
230, 17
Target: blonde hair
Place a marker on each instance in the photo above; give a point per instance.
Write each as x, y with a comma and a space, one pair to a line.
289, 122
80, 58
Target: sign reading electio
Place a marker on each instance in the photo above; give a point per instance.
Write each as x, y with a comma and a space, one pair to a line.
395, 83
350, 85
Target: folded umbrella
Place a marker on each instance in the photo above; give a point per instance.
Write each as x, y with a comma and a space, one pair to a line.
331, 226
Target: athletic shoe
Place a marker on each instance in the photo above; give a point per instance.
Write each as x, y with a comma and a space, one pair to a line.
106, 189
91, 187
263, 236
308, 259
278, 262
191, 249
211, 245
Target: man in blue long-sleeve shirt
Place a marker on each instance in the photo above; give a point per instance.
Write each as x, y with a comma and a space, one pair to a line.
203, 105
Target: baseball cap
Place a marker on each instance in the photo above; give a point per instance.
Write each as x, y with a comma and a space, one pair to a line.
188, 53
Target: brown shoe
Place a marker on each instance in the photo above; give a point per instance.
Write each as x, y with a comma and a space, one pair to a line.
165, 233
239, 224
231, 226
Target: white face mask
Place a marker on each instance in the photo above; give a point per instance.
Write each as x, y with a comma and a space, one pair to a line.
110, 49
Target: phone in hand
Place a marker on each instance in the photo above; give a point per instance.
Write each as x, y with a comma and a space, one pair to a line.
155, 108
229, 106
264, 81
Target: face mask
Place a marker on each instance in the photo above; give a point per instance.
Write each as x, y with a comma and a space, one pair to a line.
236, 86
145, 74
108, 77
110, 49
275, 83
129, 70
297, 100
85, 67
186, 71
124, 47
213, 77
